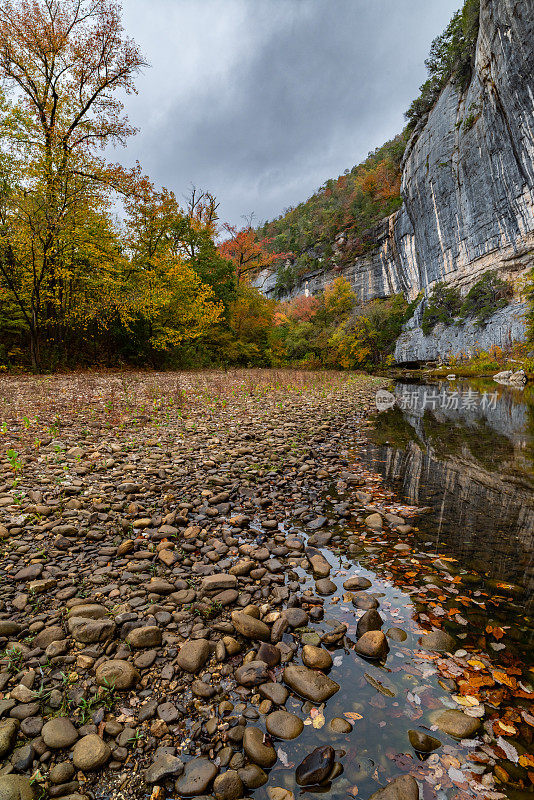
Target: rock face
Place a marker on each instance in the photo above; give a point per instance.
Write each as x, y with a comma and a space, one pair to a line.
467, 184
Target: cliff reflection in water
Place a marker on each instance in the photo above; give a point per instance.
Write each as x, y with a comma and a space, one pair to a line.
469, 456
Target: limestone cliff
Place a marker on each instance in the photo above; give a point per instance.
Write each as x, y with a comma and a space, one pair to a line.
468, 177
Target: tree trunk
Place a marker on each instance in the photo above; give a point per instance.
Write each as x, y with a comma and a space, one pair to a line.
34, 345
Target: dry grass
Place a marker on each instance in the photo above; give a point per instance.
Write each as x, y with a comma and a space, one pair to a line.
119, 396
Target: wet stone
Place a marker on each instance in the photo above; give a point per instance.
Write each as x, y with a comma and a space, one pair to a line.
284, 725
316, 767
403, 788
196, 778
256, 749
457, 724
309, 684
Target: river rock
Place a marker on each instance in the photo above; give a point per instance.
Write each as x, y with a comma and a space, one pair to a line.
364, 601
316, 767
16, 787
193, 655
340, 725
309, 684
256, 749
439, 641
370, 621
457, 724
252, 673
90, 753
148, 636
274, 692
316, 657
403, 788
250, 627
372, 644
163, 767
89, 631
325, 586
284, 725
228, 786
117, 674
356, 582
8, 736
59, 732
196, 778
252, 776
422, 742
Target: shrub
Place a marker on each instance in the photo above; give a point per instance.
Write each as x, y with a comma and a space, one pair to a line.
487, 296
451, 57
443, 306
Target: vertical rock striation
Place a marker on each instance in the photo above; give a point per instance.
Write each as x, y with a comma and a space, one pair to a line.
468, 178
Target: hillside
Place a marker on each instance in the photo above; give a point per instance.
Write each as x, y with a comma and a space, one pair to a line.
466, 201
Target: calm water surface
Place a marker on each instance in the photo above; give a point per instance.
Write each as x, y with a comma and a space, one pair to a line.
459, 471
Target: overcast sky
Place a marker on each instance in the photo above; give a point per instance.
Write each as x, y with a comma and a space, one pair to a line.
260, 101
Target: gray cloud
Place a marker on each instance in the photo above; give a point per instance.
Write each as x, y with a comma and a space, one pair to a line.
260, 101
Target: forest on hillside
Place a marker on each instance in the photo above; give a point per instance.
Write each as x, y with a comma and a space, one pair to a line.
167, 284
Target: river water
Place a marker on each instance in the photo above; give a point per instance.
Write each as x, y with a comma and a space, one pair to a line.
455, 461
466, 450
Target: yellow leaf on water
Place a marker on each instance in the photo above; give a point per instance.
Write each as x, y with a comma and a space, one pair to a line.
318, 721
465, 700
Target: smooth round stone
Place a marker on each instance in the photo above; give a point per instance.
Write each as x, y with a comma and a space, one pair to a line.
250, 627
284, 725
364, 600
356, 582
193, 655
196, 778
396, 634
252, 776
340, 725
228, 786
253, 743
58, 733
117, 674
90, 753
16, 787
296, 617
62, 772
149, 636
312, 685
370, 621
163, 767
403, 788
252, 674
274, 692
440, 641
316, 657
269, 653
279, 793
372, 644
8, 735
422, 742
374, 521
316, 767
325, 586
457, 724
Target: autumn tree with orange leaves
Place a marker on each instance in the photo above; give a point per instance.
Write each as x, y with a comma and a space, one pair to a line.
247, 252
62, 64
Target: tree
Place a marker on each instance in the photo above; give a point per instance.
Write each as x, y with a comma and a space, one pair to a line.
165, 287
62, 63
246, 252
